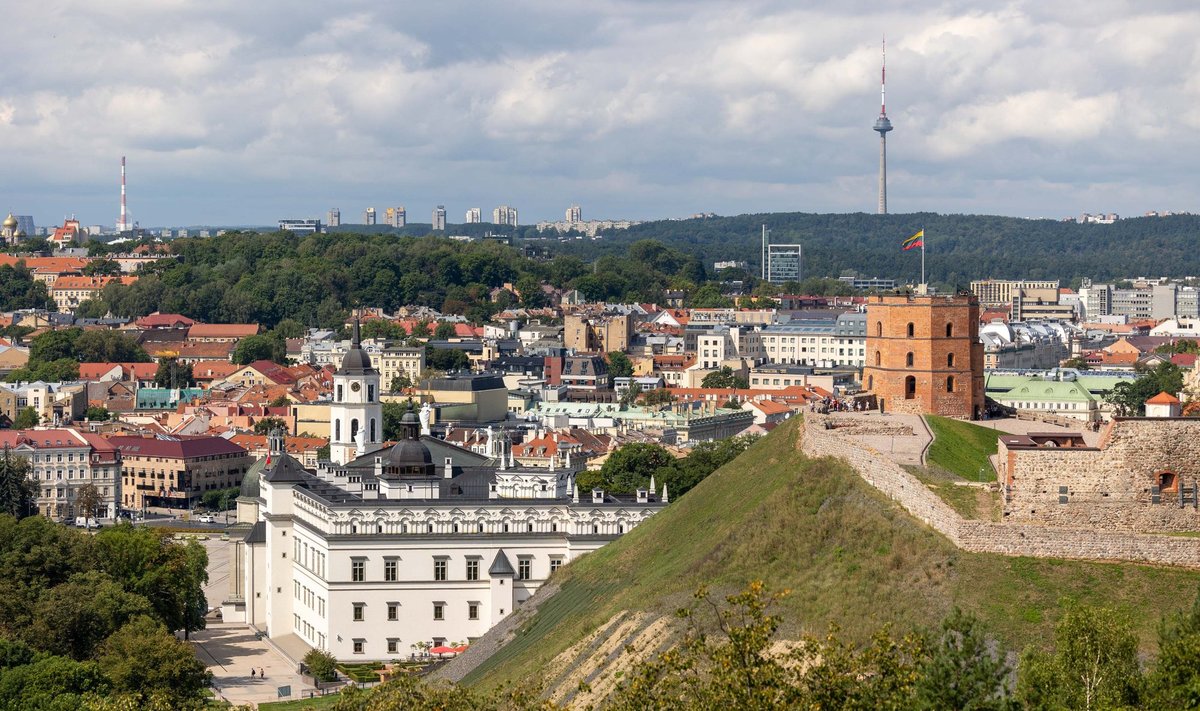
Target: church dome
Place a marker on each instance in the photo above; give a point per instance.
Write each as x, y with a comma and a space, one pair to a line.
409, 453
10, 221
250, 488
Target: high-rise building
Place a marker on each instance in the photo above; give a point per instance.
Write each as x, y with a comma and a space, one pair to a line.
369, 216
574, 214
302, 226
504, 215
883, 125
397, 216
474, 216
439, 218
334, 218
783, 263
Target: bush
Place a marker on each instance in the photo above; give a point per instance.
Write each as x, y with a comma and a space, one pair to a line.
321, 665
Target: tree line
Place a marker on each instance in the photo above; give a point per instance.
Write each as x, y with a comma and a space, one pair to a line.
86, 621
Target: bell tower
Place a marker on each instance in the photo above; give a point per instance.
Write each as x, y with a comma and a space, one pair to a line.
356, 416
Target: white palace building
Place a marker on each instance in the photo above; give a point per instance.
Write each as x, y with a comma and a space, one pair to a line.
383, 549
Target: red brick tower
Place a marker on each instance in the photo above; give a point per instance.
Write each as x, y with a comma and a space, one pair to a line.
924, 355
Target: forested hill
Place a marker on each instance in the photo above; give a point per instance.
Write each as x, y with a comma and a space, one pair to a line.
960, 247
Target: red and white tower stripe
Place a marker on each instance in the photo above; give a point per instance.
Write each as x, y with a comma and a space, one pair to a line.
123, 224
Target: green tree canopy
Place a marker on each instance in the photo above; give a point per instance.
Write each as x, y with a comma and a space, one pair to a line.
444, 331
173, 374
1130, 398
143, 658
619, 365
724, 378
259, 347
17, 490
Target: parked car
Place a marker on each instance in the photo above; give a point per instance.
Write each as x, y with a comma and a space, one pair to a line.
207, 518
86, 522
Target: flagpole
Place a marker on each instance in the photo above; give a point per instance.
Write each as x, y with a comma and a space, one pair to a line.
923, 238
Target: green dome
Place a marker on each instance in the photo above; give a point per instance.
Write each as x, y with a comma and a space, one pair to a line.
249, 488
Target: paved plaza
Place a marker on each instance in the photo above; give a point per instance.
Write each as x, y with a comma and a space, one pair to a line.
231, 649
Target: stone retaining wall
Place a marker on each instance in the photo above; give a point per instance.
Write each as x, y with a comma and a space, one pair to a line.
1013, 539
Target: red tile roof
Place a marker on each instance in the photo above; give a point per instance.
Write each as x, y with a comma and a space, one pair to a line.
129, 371
222, 330
159, 320
1163, 398
180, 448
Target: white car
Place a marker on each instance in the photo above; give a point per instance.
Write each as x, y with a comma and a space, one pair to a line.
207, 518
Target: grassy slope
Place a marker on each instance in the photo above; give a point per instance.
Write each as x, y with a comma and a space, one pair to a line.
847, 554
962, 448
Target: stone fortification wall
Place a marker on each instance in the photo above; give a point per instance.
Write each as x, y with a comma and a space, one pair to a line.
1015, 539
1131, 483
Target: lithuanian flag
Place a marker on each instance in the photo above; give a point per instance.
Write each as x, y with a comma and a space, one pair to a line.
914, 241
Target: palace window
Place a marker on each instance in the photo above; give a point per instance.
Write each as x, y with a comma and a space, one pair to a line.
359, 611
359, 644
358, 571
472, 611
439, 570
555, 564
389, 570
524, 569
393, 611
393, 644
439, 611
473, 570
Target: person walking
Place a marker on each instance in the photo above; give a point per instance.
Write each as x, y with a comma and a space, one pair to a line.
251, 672
261, 674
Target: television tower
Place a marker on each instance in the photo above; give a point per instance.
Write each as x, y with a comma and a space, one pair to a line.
883, 125
123, 224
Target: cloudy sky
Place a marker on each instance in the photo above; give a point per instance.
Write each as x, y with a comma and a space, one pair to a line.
244, 111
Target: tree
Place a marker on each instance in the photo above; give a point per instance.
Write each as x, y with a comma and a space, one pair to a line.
54, 345
87, 500
57, 371
1077, 363
170, 575
630, 467
97, 414
1183, 345
143, 658
658, 396
280, 401
259, 347
446, 359
220, 499
1093, 666
1129, 398
74, 618
267, 424
619, 365
392, 412
173, 374
724, 378
400, 383
17, 492
91, 308
382, 329
321, 665
420, 329
1174, 681
288, 328
108, 347
631, 394
101, 267
962, 672
530, 290
444, 331
26, 418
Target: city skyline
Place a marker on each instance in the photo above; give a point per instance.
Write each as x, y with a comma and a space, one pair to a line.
633, 110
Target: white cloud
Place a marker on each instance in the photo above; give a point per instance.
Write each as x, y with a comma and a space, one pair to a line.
241, 112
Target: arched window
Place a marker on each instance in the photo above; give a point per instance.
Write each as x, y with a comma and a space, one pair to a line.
908, 359
354, 429
870, 382
910, 329
910, 387
879, 328
372, 439
949, 330
878, 358
339, 393
1166, 481
370, 393
949, 360
337, 430
950, 383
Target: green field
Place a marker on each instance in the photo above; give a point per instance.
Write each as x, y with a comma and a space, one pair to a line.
847, 554
320, 702
962, 448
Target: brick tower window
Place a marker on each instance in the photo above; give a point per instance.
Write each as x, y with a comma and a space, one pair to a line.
910, 329
879, 328
949, 360
878, 358
949, 330
950, 384
908, 359
910, 387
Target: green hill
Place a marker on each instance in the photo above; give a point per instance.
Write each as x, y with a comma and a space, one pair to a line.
847, 554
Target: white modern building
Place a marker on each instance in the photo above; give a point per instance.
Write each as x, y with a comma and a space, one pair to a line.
819, 342
386, 548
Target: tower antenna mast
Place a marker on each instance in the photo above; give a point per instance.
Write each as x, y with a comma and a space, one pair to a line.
882, 126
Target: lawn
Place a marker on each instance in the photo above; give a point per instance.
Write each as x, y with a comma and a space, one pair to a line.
319, 702
962, 448
847, 554
969, 501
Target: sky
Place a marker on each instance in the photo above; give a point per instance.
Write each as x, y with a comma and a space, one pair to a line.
243, 112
